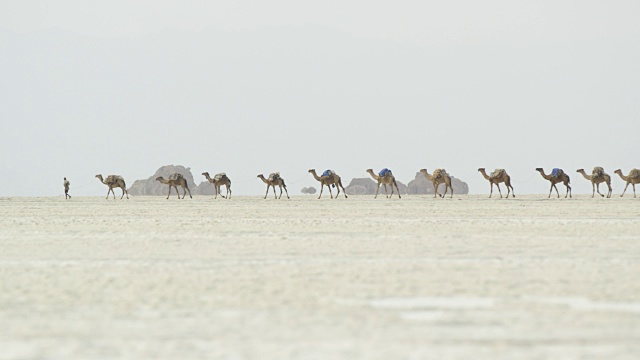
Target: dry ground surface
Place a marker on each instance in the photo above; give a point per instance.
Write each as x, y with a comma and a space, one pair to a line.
416, 278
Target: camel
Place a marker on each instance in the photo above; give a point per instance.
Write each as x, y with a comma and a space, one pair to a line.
439, 176
386, 179
219, 180
114, 181
559, 177
176, 179
633, 178
498, 176
273, 180
330, 179
597, 177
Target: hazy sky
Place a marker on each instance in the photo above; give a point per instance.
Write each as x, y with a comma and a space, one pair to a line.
250, 87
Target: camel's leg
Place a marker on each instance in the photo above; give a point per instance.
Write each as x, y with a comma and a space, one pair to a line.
274, 191
598, 189
568, 190
108, 191
343, 190
625, 190
321, 188
491, 193
610, 190
435, 190
445, 190
229, 191
634, 190
123, 191
396, 184
499, 191
386, 194
169, 192
337, 186
391, 186
377, 190
190, 197
267, 193
451, 187
550, 190
593, 190
330, 192
285, 190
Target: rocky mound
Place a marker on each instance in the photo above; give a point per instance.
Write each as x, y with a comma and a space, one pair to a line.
420, 185
308, 190
366, 186
150, 186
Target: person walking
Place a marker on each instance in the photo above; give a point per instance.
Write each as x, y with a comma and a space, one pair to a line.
66, 189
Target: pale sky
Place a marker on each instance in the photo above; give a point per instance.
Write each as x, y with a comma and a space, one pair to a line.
248, 87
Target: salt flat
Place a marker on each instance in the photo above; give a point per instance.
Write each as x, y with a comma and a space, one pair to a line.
416, 278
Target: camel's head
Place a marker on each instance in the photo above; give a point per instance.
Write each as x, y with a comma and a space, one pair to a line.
480, 169
205, 174
539, 169
618, 171
369, 170
424, 171
99, 176
260, 176
159, 178
580, 170
312, 170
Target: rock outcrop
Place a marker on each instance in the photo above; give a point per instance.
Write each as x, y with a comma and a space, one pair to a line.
420, 185
308, 190
367, 186
150, 186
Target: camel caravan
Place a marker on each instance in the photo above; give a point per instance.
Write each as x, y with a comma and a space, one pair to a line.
384, 177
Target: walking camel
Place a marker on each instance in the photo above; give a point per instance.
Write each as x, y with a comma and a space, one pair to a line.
439, 176
218, 180
557, 176
329, 178
385, 178
633, 178
273, 180
176, 179
597, 177
499, 176
114, 181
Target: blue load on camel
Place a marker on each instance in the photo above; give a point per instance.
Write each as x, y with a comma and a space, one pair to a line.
555, 172
384, 172
327, 173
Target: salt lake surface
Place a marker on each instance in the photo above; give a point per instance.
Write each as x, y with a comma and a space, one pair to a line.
415, 278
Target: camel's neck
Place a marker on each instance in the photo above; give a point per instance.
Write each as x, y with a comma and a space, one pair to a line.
544, 175
208, 177
264, 180
484, 173
429, 177
374, 176
315, 175
584, 174
163, 181
101, 179
625, 178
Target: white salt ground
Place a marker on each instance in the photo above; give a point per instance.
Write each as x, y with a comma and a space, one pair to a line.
416, 278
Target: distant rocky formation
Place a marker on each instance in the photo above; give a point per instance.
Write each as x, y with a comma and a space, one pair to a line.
420, 185
150, 186
367, 186
308, 190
